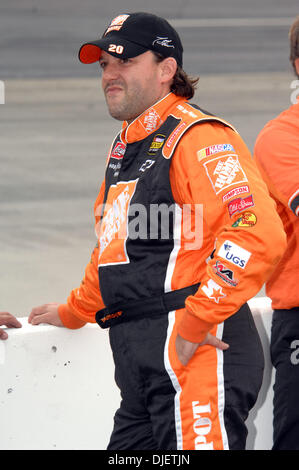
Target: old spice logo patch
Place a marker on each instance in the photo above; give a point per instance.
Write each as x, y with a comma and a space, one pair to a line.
240, 204
224, 171
114, 225
117, 23
118, 151
151, 120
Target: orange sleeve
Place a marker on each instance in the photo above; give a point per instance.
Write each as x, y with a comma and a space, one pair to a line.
83, 302
213, 167
276, 152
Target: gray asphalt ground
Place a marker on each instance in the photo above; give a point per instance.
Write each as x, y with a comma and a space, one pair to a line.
55, 131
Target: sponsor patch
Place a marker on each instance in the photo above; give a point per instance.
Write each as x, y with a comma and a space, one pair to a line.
225, 171
114, 225
202, 425
213, 291
214, 149
116, 23
240, 204
235, 192
248, 219
115, 167
151, 120
233, 253
118, 151
163, 41
177, 131
156, 144
111, 316
185, 111
146, 165
226, 274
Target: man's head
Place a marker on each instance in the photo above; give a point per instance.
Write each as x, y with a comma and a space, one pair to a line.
132, 34
294, 45
133, 85
141, 57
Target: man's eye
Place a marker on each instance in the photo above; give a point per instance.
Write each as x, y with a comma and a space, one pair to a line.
102, 65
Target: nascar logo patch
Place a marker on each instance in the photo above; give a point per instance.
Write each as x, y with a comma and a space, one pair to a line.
214, 149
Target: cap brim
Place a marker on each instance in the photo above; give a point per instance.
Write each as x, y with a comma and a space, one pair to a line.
116, 46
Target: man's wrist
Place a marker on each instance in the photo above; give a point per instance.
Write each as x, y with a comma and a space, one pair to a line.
68, 319
193, 328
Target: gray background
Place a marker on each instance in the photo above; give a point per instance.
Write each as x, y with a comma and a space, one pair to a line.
55, 131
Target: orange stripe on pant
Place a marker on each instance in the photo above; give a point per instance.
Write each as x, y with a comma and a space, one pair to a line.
199, 400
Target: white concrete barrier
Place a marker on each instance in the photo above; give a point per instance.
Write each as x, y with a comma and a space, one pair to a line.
57, 388
259, 422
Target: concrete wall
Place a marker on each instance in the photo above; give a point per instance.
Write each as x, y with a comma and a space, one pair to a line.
57, 388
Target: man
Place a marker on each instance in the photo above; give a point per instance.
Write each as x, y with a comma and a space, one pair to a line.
186, 235
277, 154
10, 321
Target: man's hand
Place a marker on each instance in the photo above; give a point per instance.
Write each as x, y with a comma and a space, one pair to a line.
47, 313
185, 349
10, 321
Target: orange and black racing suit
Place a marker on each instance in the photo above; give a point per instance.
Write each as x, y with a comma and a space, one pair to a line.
277, 156
187, 233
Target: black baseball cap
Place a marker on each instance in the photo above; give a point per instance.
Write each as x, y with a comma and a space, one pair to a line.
132, 34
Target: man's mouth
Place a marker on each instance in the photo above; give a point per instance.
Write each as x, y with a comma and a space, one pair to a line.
113, 89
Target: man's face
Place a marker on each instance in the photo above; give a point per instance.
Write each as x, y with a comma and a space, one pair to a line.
130, 85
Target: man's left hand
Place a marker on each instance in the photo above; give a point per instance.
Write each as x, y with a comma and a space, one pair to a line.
185, 349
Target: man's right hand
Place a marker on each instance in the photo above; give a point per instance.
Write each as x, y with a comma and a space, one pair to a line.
47, 313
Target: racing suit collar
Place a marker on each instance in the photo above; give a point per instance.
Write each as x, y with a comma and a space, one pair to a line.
150, 120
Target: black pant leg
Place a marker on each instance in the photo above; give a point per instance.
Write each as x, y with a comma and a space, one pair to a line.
285, 359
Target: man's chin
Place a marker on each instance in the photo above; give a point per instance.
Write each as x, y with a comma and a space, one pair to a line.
116, 114
114, 108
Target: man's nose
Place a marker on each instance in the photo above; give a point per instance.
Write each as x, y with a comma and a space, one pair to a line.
111, 71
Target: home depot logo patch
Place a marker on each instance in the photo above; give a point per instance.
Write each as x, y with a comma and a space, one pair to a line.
114, 225
151, 120
202, 426
224, 172
116, 24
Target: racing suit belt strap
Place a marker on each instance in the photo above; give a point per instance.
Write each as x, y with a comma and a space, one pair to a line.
155, 305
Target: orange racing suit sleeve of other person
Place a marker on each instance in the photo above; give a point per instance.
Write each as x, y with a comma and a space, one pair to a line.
83, 302
276, 153
213, 167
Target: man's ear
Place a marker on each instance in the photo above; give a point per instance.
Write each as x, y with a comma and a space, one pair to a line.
296, 62
168, 69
